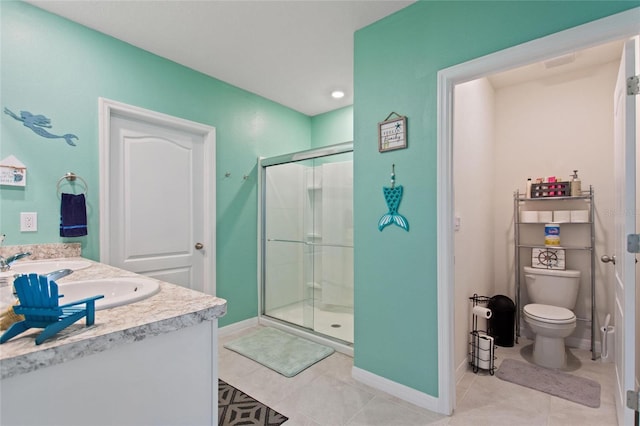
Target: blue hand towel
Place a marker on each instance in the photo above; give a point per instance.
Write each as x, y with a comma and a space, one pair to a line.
73, 215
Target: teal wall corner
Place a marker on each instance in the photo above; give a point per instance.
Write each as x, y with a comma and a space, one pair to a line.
396, 63
332, 127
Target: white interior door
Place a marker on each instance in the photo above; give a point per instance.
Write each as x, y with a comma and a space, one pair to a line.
159, 215
625, 116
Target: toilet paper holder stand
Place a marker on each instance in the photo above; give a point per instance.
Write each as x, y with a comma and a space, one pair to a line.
481, 345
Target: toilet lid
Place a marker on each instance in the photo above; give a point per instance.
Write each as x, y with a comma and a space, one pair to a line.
548, 313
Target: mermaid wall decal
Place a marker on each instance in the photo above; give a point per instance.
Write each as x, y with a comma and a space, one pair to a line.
393, 196
37, 124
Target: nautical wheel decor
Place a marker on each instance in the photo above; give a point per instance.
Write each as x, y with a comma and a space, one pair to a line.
393, 196
546, 258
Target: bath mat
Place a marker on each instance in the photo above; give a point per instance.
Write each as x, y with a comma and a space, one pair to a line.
282, 352
554, 382
237, 408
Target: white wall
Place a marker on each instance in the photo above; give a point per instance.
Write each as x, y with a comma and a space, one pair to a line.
550, 127
473, 162
546, 127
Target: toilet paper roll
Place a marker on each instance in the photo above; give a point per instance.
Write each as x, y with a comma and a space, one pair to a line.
560, 216
545, 216
579, 216
484, 352
485, 364
482, 312
528, 216
485, 343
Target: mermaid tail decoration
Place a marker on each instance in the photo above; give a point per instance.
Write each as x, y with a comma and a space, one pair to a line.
393, 196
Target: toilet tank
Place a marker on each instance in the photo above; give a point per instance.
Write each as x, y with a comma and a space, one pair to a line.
552, 286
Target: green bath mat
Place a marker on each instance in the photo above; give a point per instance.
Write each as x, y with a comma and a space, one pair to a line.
282, 352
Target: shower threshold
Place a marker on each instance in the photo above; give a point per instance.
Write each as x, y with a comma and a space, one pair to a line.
339, 345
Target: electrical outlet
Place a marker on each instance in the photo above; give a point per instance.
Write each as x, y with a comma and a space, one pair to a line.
28, 221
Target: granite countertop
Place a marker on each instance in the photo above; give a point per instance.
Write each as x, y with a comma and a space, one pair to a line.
172, 308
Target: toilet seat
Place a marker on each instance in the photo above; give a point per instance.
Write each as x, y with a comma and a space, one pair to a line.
549, 314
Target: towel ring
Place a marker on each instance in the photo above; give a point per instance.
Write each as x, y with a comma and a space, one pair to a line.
71, 177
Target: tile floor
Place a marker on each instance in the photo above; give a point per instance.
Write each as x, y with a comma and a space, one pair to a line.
325, 394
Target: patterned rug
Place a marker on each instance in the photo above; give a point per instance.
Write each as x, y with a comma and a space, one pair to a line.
237, 408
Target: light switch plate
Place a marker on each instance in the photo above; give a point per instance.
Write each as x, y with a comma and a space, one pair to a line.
28, 222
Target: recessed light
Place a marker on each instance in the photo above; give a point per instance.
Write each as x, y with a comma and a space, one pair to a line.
337, 94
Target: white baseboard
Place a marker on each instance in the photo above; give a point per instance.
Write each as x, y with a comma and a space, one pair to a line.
398, 390
237, 326
462, 368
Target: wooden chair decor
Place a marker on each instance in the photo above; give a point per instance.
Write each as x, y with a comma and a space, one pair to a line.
38, 297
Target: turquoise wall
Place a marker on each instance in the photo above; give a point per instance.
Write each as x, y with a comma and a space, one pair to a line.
54, 67
396, 64
332, 127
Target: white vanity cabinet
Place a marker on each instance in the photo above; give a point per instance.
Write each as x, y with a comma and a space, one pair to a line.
152, 362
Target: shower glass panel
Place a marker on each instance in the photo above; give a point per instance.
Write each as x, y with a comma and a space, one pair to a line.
308, 243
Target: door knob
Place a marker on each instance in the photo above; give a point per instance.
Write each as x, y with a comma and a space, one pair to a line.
199, 246
607, 259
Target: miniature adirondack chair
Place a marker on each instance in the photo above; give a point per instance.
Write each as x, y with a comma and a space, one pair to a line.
38, 296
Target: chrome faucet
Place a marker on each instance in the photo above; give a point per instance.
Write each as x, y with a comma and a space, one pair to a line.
5, 263
60, 273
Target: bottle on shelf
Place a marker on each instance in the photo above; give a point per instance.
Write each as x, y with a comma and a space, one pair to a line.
528, 192
576, 185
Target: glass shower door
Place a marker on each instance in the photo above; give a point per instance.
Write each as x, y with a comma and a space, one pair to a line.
288, 256
308, 244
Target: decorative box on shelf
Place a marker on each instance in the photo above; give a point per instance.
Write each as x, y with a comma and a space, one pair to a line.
547, 258
551, 189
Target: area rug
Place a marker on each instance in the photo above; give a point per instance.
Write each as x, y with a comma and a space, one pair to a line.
554, 382
282, 352
237, 408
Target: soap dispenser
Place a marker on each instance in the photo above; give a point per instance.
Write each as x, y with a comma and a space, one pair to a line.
576, 185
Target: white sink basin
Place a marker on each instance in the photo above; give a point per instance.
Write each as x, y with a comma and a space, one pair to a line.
46, 266
116, 291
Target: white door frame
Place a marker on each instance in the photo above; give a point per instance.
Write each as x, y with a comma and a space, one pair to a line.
615, 27
108, 108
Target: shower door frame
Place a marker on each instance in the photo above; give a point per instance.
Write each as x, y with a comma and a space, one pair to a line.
264, 319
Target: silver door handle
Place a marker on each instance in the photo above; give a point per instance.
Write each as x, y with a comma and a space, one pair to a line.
199, 246
607, 259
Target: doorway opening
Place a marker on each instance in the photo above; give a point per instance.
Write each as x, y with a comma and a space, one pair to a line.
557, 45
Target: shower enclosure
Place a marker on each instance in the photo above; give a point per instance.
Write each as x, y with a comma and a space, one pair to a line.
307, 240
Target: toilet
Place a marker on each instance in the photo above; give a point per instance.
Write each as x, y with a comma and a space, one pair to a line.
552, 296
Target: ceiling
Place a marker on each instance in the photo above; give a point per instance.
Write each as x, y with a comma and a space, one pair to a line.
292, 52
560, 68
